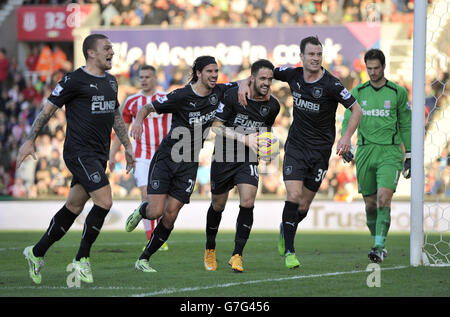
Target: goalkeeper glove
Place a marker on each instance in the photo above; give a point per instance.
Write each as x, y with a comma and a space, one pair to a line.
407, 166
348, 156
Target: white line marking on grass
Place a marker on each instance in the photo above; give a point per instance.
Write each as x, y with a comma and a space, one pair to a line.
168, 291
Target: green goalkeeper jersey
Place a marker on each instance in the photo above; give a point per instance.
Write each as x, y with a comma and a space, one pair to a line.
386, 115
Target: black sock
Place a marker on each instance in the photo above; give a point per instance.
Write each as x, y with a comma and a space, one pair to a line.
244, 224
59, 225
92, 226
290, 222
212, 227
159, 236
302, 215
143, 210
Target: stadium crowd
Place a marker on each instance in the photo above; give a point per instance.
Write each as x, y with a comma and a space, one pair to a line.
251, 13
24, 91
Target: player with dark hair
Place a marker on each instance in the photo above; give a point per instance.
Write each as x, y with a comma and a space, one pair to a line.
156, 127
173, 169
316, 94
237, 165
92, 110
384, 127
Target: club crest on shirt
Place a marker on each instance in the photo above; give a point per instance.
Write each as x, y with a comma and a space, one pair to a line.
317, 92
264, 110
113, 84
213, 99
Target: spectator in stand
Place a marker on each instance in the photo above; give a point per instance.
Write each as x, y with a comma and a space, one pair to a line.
4, 68
32, 58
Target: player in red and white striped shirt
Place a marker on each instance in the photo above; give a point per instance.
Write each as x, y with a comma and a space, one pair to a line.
156, 128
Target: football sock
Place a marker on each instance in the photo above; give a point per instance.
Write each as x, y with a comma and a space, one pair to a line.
159, 236
92, 226
143, 209
371, 221
302, 215
243, 227
290, 220
382, 227
59, 225
212, 226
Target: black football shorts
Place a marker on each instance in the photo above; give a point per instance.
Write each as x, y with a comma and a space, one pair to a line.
225, 175
89, 171
307, 165
176, 179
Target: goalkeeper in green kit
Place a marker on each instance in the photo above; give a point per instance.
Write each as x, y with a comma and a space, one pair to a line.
379, 159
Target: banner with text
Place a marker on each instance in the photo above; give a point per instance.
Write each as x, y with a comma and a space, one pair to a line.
166, 47
323, 215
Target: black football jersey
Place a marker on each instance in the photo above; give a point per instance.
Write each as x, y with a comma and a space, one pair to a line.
257, 116
315, 104
90, 105
192, 116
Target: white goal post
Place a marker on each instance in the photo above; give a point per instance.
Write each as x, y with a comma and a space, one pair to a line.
418, 132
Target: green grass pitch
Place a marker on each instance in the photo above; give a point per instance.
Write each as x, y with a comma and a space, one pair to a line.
333, 265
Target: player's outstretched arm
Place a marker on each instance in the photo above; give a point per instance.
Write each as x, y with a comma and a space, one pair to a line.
28, 147
122, 133
137, 129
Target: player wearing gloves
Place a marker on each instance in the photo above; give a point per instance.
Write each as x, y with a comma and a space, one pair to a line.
384, 127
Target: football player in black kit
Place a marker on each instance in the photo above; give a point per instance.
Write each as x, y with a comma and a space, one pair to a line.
173, 169
92, 110
316, 94
237, 165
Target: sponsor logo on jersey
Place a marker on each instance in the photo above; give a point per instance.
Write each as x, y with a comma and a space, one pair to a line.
99, 105
57, 90
283, 68
302, 104
242, 120
198, 118
345, 94
376, 112
220, 108
161, 99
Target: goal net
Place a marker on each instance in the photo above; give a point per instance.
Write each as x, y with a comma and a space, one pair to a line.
430, 235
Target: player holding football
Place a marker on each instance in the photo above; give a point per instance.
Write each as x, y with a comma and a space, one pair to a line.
156, 128
92, 111
173, 169
385, 125
316, 94
236, 124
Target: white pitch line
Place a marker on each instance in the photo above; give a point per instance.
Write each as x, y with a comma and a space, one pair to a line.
190, 289
169, 291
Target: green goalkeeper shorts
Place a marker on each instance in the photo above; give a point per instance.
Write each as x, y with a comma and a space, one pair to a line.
378, 166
